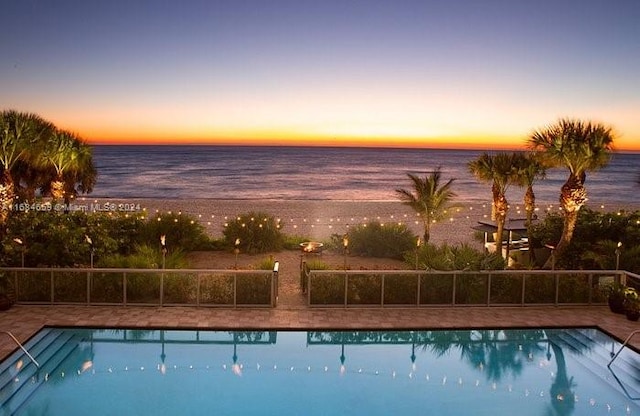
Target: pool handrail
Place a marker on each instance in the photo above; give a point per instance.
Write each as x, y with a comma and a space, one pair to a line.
33, 360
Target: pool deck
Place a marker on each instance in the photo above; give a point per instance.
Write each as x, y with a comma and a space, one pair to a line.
24, 321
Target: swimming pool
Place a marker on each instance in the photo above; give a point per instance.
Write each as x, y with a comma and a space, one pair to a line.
456, 372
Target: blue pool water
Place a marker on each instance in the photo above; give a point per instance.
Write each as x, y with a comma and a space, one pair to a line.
457, 372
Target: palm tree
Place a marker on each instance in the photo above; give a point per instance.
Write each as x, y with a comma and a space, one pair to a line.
70, 157
429, 198
500, 170
581, 147
29, 178
19, 132
82, 179
529, 170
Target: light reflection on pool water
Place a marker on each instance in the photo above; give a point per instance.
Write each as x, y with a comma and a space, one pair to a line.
457, 372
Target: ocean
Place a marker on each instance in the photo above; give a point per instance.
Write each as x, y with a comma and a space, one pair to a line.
324, 173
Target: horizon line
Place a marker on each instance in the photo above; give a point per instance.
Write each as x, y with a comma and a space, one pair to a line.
329, 146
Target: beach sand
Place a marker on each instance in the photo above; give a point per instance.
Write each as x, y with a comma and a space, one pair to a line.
318, 220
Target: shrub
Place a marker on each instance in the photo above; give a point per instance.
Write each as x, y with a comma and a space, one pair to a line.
181, 231
292, 242
267, 263
60, 239
256, 232
145, 257
377, 240
461, 257
594, 240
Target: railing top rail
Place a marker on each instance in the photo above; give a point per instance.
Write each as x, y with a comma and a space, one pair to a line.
493, 272
632, 275
125, 270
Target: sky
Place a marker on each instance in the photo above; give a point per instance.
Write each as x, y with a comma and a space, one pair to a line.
465, 73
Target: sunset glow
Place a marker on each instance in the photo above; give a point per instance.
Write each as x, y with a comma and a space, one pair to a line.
302, 73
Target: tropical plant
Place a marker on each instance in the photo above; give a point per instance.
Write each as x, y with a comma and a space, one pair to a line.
429, 198
267, 263
19, 132
501, 171
71, 160
381, 240
596, 239
580, 147
179, 230
529, 169
454, 257
254, 232
615, 294
146, 257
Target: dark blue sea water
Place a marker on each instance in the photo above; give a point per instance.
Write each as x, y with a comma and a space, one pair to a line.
312, 173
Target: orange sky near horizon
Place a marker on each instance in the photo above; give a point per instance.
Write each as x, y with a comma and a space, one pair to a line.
248, 137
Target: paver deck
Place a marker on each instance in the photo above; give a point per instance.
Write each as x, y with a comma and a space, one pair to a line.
24, 321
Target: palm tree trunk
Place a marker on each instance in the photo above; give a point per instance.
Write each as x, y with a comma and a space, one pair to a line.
530, 206
427, 230
426, 222
57, 189
572, 197
7, 195
501, 209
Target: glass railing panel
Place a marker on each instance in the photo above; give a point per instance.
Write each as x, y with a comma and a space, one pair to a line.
364, 289
573, 288
106, 287
506, 289
33, 286
253, 289
216, 289
401, 289
143, 288
436, 289
540, 289
326, 289
69, 286
180, 288
471, 289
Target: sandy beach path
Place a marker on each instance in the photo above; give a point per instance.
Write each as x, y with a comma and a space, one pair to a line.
290, 295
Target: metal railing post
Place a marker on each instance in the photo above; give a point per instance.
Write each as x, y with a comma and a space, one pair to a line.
15, 285
419, 275
382, 290
198, 289
52, 280
453, 291
557, 289
489, 289
524, 289
590, 288
124, 288
162, 289
235, 290
275, 283
346, 288
88, 288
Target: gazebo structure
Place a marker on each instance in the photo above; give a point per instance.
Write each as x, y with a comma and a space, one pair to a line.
512, 227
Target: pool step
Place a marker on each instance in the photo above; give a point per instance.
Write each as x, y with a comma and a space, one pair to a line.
49, 350
593, 352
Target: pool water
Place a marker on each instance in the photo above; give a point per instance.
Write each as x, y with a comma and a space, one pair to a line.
456, 372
